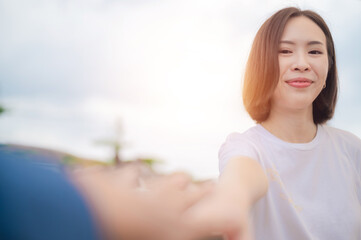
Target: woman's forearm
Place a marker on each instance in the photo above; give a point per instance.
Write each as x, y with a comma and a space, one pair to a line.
243, 179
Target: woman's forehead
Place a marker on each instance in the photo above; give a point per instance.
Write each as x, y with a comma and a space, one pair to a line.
302, 30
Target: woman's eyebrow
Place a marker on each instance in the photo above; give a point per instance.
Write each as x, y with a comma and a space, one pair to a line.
315, 43
309, 43
287, 42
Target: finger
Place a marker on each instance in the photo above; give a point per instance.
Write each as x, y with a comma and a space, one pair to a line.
241, 234
179, 180
247, 233
204, 219
174, 181
194, 193
126, 176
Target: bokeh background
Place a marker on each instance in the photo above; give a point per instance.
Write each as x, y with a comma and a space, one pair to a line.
161, 77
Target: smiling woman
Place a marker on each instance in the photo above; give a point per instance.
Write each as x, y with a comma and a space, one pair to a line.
267, 58
300, 177
303, 65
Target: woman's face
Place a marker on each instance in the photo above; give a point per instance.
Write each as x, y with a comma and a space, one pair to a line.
303, 65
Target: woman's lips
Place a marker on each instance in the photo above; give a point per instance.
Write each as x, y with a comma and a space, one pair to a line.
299, 82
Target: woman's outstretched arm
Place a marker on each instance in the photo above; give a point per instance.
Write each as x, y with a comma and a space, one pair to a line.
243, 179
226, 210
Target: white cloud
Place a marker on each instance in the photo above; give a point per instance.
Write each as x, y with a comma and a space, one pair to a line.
170, 70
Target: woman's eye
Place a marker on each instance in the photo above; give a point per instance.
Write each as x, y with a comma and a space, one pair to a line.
284, 51
315, 52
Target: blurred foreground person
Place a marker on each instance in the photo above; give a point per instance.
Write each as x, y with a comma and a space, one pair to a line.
39, 200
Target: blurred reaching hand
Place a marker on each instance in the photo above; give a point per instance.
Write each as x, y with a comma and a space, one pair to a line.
221, 215
158, 208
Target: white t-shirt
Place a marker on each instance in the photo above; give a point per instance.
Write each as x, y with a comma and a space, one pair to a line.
314, 188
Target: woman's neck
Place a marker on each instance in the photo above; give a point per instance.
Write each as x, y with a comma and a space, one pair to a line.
294, 127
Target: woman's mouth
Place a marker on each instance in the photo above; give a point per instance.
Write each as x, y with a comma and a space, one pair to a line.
299, 82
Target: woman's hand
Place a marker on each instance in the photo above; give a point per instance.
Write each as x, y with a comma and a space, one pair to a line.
164, 201
220, 214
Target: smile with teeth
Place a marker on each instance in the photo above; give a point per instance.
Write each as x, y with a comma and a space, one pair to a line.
299, 82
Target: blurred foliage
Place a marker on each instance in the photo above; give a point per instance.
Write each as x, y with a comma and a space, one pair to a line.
115, 145
115, 142
2, 110
150, 161
74, 161
71, 160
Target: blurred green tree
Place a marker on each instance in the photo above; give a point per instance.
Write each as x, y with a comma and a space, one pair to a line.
115, 143
2, 110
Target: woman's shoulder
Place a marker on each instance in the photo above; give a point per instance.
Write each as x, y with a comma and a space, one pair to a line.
342, 136
239, 144
248, 135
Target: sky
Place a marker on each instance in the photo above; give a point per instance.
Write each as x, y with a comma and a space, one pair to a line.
163, 76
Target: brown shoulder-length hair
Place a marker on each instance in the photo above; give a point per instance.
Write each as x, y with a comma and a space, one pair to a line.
262, 71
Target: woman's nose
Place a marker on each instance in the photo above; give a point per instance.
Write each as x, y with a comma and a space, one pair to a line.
300, 63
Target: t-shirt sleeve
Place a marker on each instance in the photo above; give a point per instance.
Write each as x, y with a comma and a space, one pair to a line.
235, 145
352, 145
356, 144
